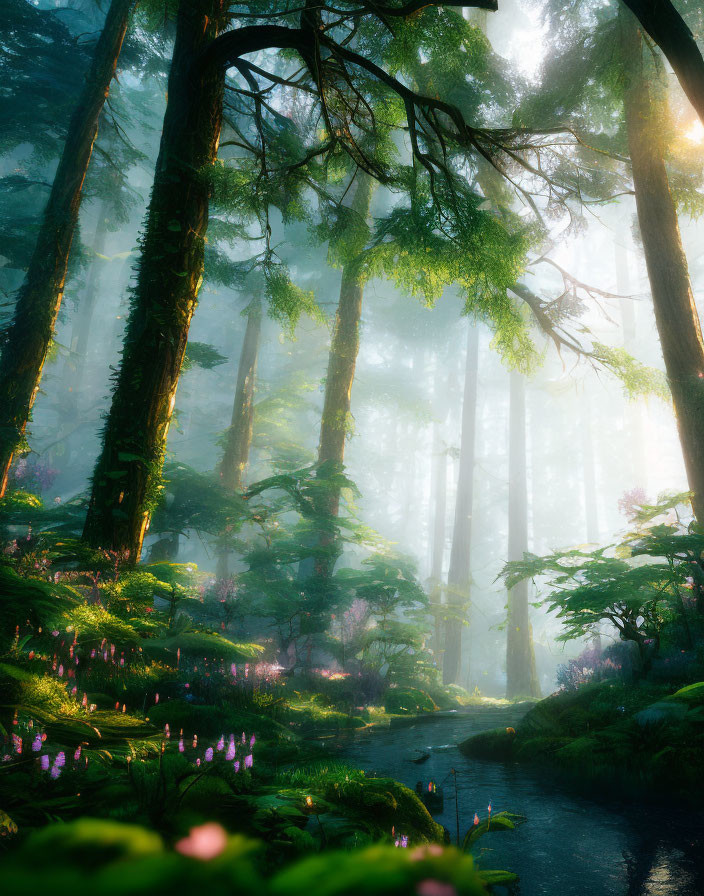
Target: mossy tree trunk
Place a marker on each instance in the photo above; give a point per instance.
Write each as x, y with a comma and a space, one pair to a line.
521, 677
459, 573
27, 340
126, 480
675, 312
342, 362
344, 348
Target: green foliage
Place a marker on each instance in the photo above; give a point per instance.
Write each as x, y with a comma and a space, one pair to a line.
200, 354
638, 379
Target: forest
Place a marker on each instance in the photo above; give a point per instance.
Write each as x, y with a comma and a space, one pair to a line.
351, 447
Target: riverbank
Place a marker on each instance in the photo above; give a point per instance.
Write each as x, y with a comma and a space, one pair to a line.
624, 738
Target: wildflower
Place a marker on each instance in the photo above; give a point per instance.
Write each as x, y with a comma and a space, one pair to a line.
209, 754
476, 819
203, 842
84, 701
37, 743
17, 743
60, 760
432, 887
221, 743
77, 754
230, 755
167, 730
180, 745
44, 762
237, 766
55, 771
156, 699
248, 761
252, 741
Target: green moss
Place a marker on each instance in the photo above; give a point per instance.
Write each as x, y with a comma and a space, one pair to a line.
407, 701
496, 743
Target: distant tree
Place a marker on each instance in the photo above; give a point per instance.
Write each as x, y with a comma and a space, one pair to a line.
521, 678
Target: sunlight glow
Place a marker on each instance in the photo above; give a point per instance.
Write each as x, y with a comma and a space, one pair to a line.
695, 133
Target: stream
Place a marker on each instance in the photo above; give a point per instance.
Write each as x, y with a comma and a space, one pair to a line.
570, 844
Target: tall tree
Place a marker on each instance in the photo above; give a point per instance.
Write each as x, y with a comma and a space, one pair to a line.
126, 480
238, 439
344, 348
671, 33
521, 677
29, 336
459, 573
676, 314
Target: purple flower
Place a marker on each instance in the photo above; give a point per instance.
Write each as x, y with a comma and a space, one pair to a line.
77, 754
60, 760
44, 762
237, 766
209, 754
221, 743
55, 771
248, 761
252, 741
37, 743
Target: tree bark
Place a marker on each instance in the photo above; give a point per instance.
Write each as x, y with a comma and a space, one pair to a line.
458, 577
675, 312
29, 336
127, 477
521, 678
344, 348
671, 33
239, 436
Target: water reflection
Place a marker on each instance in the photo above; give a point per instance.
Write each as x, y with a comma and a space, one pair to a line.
571, 845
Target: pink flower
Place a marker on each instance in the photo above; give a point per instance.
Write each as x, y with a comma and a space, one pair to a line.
252, 741
60, 760
203, 842
221, 743
55, 771
237, 766
44, 762
209, 754
37, 743
77, 754
435, 888
248, 761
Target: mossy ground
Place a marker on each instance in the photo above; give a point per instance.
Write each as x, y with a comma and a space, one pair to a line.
643, 737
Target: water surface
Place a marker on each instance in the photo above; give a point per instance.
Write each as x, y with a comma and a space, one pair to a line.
570, 844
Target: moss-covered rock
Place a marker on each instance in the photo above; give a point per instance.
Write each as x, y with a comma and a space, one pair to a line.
496, 743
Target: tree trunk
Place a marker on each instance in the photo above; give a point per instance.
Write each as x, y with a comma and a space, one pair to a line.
344, 348
83, 317
238, 440
28, 338
127, 477
521, 678
458, 577
675, 312
239, 435
439, 504
671, 33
